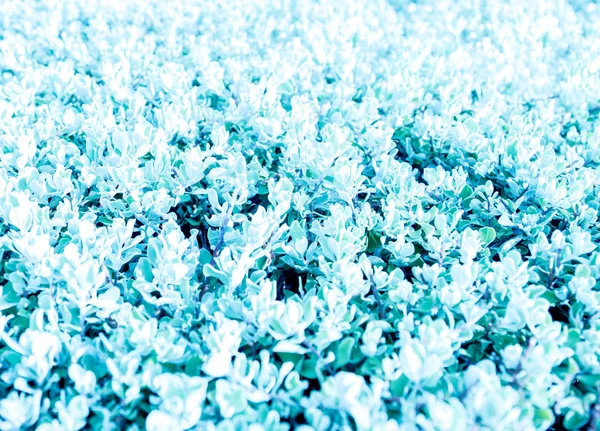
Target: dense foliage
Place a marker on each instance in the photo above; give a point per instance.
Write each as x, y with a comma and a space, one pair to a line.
313, 215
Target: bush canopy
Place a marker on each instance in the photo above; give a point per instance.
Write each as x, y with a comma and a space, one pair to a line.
315, 215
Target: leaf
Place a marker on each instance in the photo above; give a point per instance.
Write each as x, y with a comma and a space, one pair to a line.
344, 352
284, 346
488, 235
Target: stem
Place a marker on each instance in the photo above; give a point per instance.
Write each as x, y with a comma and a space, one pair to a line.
377, 296
220, 241
555, 266
310, 347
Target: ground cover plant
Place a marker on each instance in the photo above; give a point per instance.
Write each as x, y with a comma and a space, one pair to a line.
312, 215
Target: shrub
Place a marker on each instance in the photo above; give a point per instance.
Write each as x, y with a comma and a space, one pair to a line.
247, 215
